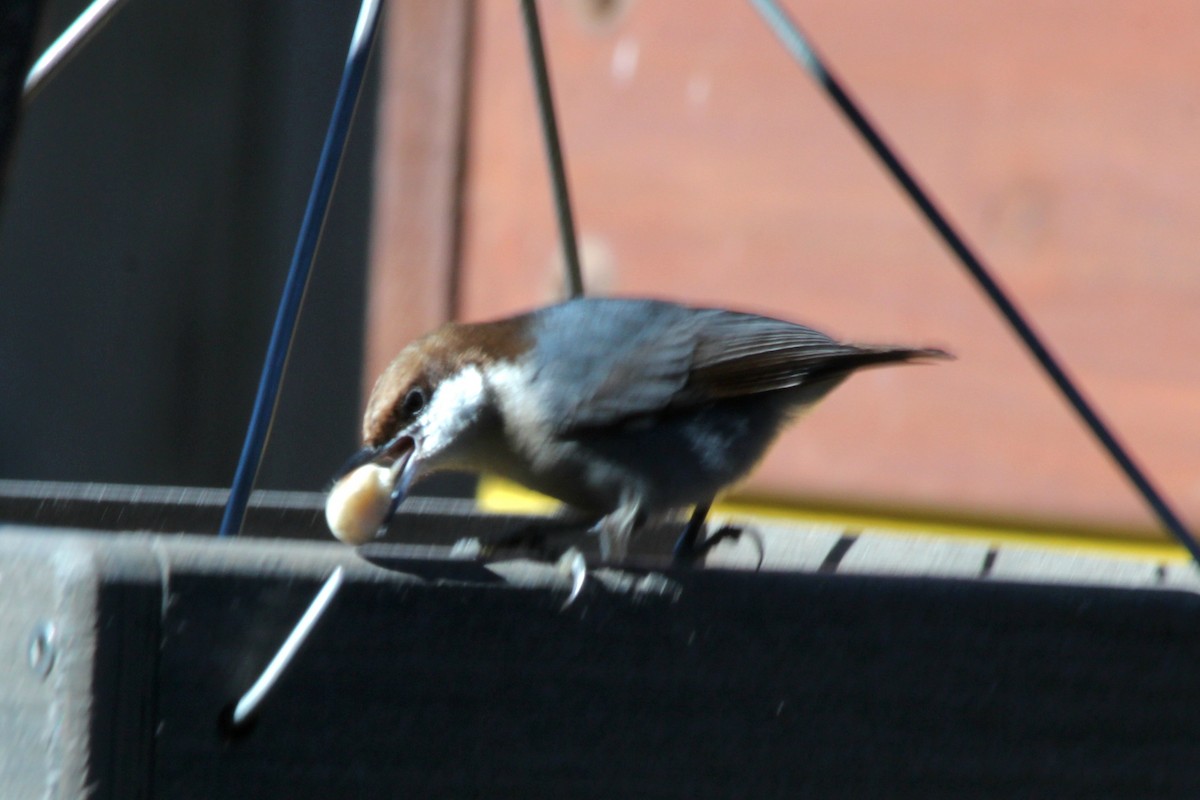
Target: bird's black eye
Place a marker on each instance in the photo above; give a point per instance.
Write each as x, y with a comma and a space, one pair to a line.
414, 401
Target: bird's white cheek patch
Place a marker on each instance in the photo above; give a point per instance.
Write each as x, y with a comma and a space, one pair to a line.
454, 407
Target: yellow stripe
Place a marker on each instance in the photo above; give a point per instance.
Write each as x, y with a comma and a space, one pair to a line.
498, 495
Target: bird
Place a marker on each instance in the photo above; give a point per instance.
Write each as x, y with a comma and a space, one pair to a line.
625, 409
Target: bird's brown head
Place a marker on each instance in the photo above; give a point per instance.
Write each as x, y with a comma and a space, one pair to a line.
421, 416
404, 390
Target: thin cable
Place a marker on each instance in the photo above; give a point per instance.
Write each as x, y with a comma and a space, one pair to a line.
797, 44
249, 702
554, 154
297, 279
68, 44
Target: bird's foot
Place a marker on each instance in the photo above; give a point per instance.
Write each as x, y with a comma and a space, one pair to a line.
690, 547
731, 533
540, 542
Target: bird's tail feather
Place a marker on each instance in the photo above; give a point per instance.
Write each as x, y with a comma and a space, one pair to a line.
862, 356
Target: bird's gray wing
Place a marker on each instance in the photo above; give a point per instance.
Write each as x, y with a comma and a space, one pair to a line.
742, 354
626, 359
739, 354
609, 360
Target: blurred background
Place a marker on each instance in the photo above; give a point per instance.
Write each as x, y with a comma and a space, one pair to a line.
154, 195
157, 185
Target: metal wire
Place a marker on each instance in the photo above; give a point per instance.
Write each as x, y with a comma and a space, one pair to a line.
248, 703
800, 48
68, 45
297, 279
554, 154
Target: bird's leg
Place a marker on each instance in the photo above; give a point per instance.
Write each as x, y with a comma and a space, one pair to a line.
687, 550
685, 545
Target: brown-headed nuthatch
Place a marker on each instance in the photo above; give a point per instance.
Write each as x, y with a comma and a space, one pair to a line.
623, 408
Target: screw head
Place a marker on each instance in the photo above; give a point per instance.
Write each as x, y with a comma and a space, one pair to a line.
42, 649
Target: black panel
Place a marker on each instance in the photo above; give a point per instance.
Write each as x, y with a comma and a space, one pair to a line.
153, 205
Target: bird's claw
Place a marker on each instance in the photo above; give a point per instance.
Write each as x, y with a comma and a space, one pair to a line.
572, 563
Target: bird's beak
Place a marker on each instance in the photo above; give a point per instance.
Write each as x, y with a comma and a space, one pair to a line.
402, 452
365, 456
